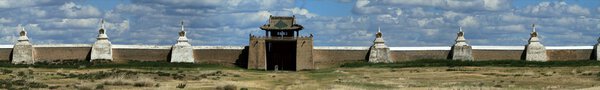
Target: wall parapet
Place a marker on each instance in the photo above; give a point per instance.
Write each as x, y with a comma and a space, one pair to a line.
6, 46
448, 48
315, 48
324, 55
219, 47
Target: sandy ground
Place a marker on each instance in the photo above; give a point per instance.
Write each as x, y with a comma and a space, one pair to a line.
418, 78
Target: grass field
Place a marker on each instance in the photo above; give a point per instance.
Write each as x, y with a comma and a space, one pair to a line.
420, 74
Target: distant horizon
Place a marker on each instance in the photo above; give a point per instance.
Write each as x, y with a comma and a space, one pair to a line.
404, 23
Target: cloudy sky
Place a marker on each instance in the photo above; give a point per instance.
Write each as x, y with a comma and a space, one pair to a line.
333, 22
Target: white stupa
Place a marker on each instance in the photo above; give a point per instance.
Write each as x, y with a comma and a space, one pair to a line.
379, 52
23, 50
182, 51
461, 50
535, 51
102, 48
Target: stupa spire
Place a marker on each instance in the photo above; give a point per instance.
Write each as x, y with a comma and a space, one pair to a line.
378, 34
182, 29
533, 27
102, 32
182, 33
460, 38
102, 23
22, 34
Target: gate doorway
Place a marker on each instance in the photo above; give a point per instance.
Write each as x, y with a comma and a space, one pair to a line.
281, 54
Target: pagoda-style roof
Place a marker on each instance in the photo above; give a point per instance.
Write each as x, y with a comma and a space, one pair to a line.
281, 23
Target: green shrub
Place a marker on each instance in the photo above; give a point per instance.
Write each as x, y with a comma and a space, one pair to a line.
5, 71
37, 85
181, 85
144, 82
15, 84
100, 86
227, 87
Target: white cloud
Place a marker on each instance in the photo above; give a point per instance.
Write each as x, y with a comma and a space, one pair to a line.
35, 12
458, 5
6, 20
495, 4
299, 11
228, 22
468, 21
398, 12
73, 10
555, 9
135, 8
5, 4
518, 28
363, 7
72, 23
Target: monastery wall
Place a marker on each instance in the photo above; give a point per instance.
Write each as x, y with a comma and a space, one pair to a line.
323, 57
5, 52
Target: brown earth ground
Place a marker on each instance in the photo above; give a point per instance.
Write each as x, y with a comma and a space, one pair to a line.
363, 78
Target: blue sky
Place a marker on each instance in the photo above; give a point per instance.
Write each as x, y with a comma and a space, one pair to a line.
333, 22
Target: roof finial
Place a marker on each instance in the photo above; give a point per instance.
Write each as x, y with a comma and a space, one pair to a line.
19, 26
460, 29
102, 23
533, 26
182, 25
22, 32
378, 34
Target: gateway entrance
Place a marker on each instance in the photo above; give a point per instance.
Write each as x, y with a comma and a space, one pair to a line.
281, 47
281, 55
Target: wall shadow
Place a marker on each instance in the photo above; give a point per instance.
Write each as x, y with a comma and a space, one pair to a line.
89, 54
450, 53
242, 60
366, 59
524, 53
593, 56
169, 55
10, 58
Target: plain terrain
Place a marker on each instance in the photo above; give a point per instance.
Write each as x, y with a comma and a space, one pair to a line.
422, 74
